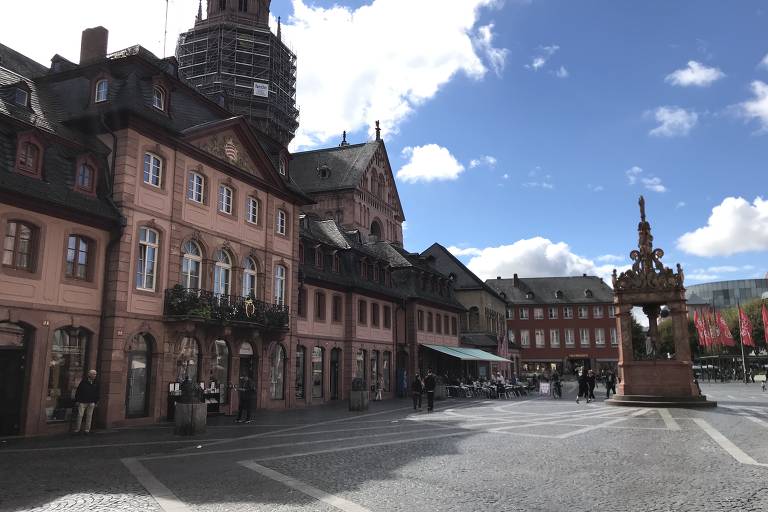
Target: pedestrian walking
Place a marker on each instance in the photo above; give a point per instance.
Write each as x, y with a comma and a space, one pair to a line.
583, 388
86, 398
379, 386
610, 384
245, 395
557, 387
417, 388
591, 385
429, 386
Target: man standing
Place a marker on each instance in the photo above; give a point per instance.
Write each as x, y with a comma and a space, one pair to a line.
610, 384
591, 384
429, 386
416, 389
244, 395
86, 397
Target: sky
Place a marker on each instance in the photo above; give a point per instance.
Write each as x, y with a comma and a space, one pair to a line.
521, 132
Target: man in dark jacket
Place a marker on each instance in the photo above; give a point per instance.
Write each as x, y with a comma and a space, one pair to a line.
591, 382
86, 398
610, 384
583, 387
429, 386
417, 387
245, 395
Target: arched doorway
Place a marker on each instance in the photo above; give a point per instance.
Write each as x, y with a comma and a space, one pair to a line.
66, 368
248, 368
13, 343
139, 359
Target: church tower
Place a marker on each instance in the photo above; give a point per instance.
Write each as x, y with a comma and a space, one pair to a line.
233, 57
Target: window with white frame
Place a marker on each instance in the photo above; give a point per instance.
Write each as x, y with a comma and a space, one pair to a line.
600, 337
222, 273
525, 338
523, 313
614, 337
102, 89
583, 312
250, 274
252, 210
570, 340
567, 312
192, 261
554, 338
538, 313
584, 337
196, 187
279, 284
539, 334
552, 313
281, 225
225, 199
511, 335
510, 312
153, 170
146, 269
597, 311
158, 97
611, 311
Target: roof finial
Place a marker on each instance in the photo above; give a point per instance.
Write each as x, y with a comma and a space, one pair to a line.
200, 11
641, 202
378, 131
278, 29
344, 139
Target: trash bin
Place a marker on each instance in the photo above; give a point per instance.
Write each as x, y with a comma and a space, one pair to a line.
358, 395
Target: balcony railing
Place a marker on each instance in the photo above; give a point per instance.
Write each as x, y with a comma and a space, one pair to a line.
205, 306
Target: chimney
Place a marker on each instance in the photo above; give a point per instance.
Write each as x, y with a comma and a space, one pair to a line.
498, 277
93, 45
515, 281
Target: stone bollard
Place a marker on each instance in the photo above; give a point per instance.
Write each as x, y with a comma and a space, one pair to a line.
358, 396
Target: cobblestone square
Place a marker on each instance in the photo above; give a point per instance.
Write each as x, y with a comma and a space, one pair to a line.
528, 454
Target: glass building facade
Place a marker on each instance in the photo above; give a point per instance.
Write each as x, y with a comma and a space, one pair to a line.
726, 294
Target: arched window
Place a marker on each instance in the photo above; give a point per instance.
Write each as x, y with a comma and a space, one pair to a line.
102, 89
158, 97
222, 273
188, 360
191, 263
85, 178
19, 245
279, 284
301, 357
147, 266
250, 274
376, 229
78, 248
69, 356
29, 158
276, 373
137, 383
317, 372
220, 368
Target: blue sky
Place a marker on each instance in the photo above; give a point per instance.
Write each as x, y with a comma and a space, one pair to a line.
522, 132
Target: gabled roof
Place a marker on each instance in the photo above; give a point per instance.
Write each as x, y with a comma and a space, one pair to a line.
449, 264
544, 290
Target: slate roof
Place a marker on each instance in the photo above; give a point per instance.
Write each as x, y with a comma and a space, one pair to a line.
545, 288
479, 340
346, 165
448, 264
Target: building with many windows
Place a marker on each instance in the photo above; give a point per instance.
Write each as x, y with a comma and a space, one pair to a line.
728, 294
560, 323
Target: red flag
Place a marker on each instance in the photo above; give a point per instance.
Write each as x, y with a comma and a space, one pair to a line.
746, 329
699, 329
726, 337
714, 330
765, 324
705, 329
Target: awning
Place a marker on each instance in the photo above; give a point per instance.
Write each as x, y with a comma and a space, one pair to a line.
467, 354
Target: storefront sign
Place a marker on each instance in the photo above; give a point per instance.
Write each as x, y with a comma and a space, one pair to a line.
578, 356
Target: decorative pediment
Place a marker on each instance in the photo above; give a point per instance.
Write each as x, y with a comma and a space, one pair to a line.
228, 147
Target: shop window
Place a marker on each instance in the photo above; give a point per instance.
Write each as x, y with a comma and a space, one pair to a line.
360, 368
66, 369
220, 369
19, 246
300, 362
276, 373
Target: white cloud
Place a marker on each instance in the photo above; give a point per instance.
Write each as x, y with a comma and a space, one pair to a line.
488, 160
429, 163
635, 175
350, 73
680, 204
674, 122
562, 72
533, 257
467, 251
611, 258
757, 108
595, 188
700, 276
505, 176
764, 63
734, 226
696, 74
538, 180
542, 55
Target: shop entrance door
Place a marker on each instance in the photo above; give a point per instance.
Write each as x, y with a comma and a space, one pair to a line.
11, 390
335, 373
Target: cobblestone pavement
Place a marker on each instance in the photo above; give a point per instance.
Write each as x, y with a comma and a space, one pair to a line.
531, 454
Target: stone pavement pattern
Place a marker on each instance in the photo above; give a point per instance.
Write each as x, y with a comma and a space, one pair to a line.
531, 454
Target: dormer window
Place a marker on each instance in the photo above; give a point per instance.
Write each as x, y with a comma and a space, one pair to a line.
529, 295
85, 179
324, 171
21, 97
588, 293
559, 294
102, 89
158, 98
29, 155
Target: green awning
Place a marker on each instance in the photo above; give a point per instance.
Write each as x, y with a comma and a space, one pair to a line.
467, 354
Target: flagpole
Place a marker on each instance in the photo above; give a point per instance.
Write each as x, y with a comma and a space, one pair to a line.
165, 33
741, 342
